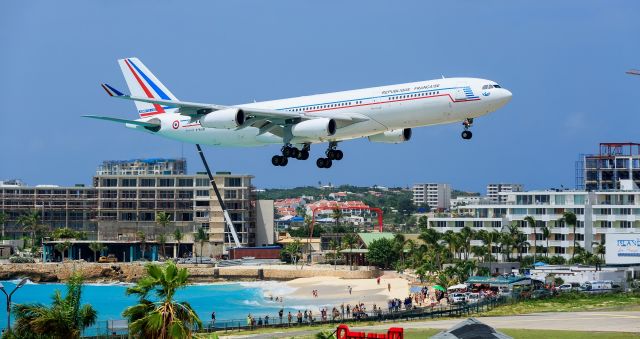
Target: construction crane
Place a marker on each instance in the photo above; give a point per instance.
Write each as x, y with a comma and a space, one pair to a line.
227, 218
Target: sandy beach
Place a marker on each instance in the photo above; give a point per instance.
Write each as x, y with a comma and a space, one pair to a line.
334, 291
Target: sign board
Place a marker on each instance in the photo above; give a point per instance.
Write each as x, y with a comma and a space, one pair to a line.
622, 248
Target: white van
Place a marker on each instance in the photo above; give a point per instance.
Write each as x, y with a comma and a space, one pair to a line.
597, 286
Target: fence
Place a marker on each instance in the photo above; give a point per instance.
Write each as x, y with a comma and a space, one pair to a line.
118, 328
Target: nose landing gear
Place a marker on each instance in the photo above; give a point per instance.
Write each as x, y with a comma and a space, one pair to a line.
466, 134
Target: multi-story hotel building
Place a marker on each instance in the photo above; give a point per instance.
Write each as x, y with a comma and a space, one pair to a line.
117, 207
598, 213
435, 195
615, 163
494, 190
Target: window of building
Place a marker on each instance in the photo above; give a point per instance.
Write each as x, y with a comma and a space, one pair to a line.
559, 237
625, 211
165, 182
578, 199
230, 194
496, 224
185, 182
129, 205
129, 182
579, 237
147, 194
109, 183
625, 224
560, 199
459, 223
441, 223
202, 193
166, 194
109, 194
185, 194
147, 182
605, 211
202, 182
578, 211
579, 224
201, 203
605, 224
128, 194
147, 205
541, 211
477, 223
233, 182
560, 250
127, 216
202, 214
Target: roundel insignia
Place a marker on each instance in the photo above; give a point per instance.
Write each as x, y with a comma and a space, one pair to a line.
175, 124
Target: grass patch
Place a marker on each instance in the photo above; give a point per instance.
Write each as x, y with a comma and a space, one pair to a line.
570, 302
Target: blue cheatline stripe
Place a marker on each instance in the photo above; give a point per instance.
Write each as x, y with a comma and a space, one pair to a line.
155, 88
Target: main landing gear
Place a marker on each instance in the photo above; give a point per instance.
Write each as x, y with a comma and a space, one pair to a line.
332, 154
467, 123
289, 151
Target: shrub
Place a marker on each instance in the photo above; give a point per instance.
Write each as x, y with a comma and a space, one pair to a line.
21, 260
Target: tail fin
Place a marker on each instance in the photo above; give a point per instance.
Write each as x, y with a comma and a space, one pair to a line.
142, 83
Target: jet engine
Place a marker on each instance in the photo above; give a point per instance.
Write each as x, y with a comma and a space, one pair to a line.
228, 118
395, 136
314, 128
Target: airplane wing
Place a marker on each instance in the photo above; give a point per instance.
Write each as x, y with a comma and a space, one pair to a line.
124, 121
255, 115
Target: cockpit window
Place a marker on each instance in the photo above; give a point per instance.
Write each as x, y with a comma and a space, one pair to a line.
496, 86
487, 86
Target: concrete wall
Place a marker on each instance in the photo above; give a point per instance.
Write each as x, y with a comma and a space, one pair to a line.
52, 272
264, 223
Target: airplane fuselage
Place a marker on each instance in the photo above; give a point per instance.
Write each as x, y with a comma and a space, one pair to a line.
384, 108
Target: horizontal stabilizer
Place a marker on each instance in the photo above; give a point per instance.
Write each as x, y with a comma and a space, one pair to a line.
111, 91
124, 121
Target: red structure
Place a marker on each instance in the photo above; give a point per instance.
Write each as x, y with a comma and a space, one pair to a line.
264, 252
343, 332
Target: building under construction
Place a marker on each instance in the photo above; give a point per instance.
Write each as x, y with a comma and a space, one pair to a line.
605, 170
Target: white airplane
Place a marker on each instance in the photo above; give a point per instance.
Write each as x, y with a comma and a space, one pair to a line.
383, 114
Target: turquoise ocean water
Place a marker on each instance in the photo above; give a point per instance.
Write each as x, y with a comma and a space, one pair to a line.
230, 301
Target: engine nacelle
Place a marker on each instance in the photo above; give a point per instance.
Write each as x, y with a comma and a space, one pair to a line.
395, 136
223, 119
314, 128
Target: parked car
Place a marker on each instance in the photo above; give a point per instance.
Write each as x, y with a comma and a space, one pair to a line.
541, 294
197, 260
109, 258
569, 287
472, 298
457, 298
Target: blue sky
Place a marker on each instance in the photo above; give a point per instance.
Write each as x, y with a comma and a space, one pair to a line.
563, 61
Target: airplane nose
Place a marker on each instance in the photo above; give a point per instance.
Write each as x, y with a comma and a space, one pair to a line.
505, 96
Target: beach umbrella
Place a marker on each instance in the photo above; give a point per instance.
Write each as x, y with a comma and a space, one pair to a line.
439, 288
539, 263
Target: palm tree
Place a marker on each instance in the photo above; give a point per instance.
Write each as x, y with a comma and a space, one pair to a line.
349, 240
532, 223
337, 216
423, 222
162, 241
62, 247
30, 222
157, 314
65, 318
333, 245
546, 233
3, 219
177, 236
96, 247
601, 250
452, 240
163, 219
570, 219
466, 235
399, 241
201, 237
142, 238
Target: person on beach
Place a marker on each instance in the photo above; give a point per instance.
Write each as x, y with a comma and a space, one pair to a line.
342, 310
299, 317
349, 289
249, 321
378, 280
389, 287
213, 319
260, 321
310, 317
281, 312
348, 310
266, 319
289, 317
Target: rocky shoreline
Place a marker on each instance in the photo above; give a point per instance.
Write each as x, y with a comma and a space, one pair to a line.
131, 272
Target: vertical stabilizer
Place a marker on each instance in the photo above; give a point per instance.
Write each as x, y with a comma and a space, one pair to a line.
143, 83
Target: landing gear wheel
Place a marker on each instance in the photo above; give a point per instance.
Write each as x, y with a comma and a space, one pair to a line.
338, 155
303, 155
466, 135
328, 163
287, 151
279, 160
320, 162
331, 154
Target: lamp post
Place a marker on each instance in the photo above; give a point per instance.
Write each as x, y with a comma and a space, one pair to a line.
20, 284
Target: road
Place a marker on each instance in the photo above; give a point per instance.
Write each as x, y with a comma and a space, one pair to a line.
576, 321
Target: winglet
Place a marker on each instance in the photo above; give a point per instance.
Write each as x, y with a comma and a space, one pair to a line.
111, 91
